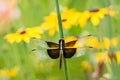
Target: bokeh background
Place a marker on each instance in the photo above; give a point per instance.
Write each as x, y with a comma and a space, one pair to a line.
18, 62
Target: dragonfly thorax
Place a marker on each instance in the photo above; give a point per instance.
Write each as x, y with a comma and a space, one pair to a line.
61, 44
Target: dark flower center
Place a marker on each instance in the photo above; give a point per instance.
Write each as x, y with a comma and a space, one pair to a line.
94, 10
23, 32
112, 56
64, 20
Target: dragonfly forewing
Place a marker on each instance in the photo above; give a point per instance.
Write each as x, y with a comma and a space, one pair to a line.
53, 53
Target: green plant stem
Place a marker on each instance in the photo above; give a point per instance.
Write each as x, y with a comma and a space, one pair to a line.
110, 35
113, 67
59, 20
110, 29
62, 36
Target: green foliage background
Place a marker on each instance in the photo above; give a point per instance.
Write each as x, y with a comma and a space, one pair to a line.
32, 14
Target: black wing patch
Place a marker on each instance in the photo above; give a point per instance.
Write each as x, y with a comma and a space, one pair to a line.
70, 44
53, 53
69, 52
52, 44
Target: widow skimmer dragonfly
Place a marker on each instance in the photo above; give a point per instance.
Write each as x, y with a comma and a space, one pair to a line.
62, 50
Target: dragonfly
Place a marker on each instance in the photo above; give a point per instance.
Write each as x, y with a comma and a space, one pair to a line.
62, 49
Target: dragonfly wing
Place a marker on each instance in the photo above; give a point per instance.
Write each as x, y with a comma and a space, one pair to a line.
53, 53
80, 52
70, 44
52, 44
39, 44
69, 52
40, 53
86, 41
76, 46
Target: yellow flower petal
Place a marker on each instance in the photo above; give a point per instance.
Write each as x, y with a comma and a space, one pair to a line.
24, 35
102, 56
13, 72
106, 43
51, 32
95, 20
10, 38
86, 65
9, 73
83, 18
114, 42
118, 56
93, 42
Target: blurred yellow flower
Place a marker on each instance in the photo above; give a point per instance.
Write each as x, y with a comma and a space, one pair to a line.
34, 32
93, 42
86, 65
106, 56
83, 18
69, 18
96, 15
118, 56
102, 56
112, 12
72, 17
13, 72
107, 42
24, 35
9, 73
50, 24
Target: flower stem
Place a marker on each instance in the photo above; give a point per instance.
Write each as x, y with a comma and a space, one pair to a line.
110, 30
62, 36
110, 27
59, 20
